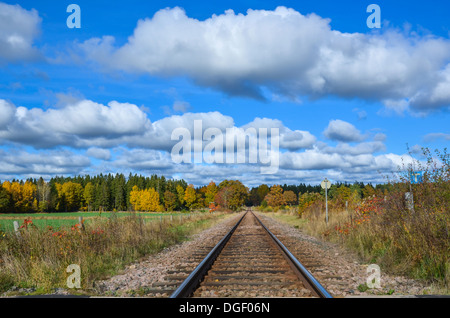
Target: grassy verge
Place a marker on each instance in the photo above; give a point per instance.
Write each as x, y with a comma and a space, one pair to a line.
38, 259
56, 220
414, 245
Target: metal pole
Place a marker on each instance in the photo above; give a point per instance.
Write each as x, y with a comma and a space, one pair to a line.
412, 197
326, 202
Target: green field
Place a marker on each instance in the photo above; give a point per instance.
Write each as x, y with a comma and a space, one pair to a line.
59, 220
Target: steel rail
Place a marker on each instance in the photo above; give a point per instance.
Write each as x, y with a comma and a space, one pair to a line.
189, 285
298, 267
194, 279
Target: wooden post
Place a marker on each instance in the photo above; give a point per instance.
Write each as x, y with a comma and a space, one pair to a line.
409, 201
16, 228
349, 214
80, 221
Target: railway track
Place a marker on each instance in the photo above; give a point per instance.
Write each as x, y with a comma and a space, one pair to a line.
249, 261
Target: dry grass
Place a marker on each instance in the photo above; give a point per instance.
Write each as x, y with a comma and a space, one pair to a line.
384, 230
413, 243
38, 258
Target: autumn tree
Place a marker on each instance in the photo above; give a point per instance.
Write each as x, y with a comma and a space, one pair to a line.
210, 193
306, 200
89, 194
275, 196
190, 196
368, 191
262, 191
104, 191
180, 194
43, 193
258, 194
145, 200
200, 201
22, 196
15, 191
345, 194
29, 202
70, 196
150, 200
135, 198
170, 200
232, 194
290, 198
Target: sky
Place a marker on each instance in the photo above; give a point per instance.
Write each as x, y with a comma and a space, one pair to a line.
337, 98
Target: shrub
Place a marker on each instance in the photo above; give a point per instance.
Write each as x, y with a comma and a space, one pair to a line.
383, 229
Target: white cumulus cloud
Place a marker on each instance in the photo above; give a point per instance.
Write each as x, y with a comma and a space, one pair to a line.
18, 30
340, 130
80, 124
282, 50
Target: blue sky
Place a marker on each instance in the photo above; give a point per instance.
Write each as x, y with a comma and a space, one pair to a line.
105, 97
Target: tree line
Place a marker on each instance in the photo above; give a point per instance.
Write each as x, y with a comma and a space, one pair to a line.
154, 193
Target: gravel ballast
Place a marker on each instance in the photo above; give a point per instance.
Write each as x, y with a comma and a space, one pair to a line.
338, 270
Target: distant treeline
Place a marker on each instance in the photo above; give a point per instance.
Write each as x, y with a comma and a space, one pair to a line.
66, 194
137, 192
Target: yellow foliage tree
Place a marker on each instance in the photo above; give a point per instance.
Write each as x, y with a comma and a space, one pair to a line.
150, 200
190, 196
368, 191
275, 196
306, 200
70, 196
290, 197
16, 195
89, 194
135, 199
170, 200
210, 193
29, 196
145, 200
23, 196
180, 194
